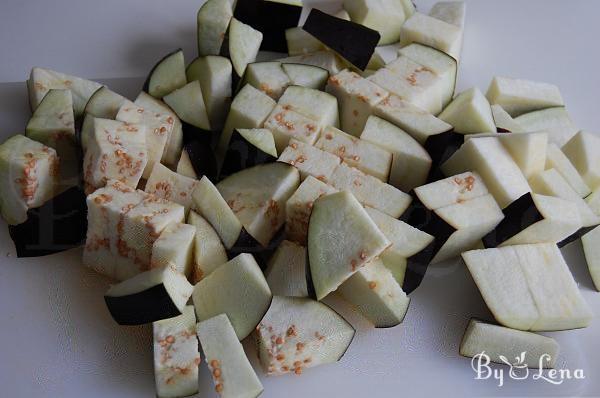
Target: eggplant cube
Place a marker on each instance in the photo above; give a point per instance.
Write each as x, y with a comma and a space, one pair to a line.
301, 42
518, 96
584, 152
268, 77
286, 271
176, 355
143, 225
310, 333
248, 148
175, 247
299, 208
185, 167
594, 201
231, 371
384, 16
209, 252
415, 121
505, 122
169, 185
452, 190
410, 161
258, 195
535, 219
151, 296
369, 190
286, 124
334, 259
591, 248
306, 75
529, 287
413, 82
244, 43
500, 343
310, 161
469, 113
115, 151
490, 159
357, 98
555, 121
376, 294
107, 208
212, 22
364, 155
104, 103
314, 104
528, 151
430, 31
452, 12
323, 59
29, 171
249, 109
238, 281
556, 159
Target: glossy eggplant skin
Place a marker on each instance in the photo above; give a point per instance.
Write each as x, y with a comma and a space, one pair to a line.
577, 235
247, 244
272, 18
59, 225
354, 42
519, 215
441, 147
242, 155
419, 216
150, 305
198, 145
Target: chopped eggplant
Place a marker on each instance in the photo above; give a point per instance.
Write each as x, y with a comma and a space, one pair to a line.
301, 42
249, 109
43, 80
333, 258
518, 96
169, 185
556, 159
357, 98
286, 271
268, 77
322, 59
528, 150
238, 281
230, 369
215, 76
104, 103
202, 157
299, 208
556, 121
364, 155
151, 296
209, 252
505, 122
452, 12
430, 31
211, 205
504, 345
535, 219
310, 161
29, 171
369, 190
457, 189
314, 104
244, 42
529, 287
174, 247
286, 124
469, 113
53, 124
584, 152
212, 23
310, 333
167, 75
185, 167
248, 148
418, 123
376, 295
410, 161
176, 355
306, 75
384, 16
257, 196
188, 103
594, 201
353, 42
490, 159
591, 248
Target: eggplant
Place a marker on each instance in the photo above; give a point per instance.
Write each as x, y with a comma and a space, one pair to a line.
301, 42
201, 155
104, 103
244, 42
248, 148
556, 159
166, 184
324, 59
209, 251
353, 42
287, 124
212, 22
583, 150
306, 75
591, 247
286, 270
384, 16
309, 161
505, 122
314, 104
518, 96
469, 113
433, 32
556, 121
167, 75
188, 104
174, 247
268, 77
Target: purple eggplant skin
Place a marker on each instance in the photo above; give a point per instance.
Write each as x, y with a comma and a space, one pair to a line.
247, 244
272, 18
241, 155
58, 225
577, 235
353, 42
441, 147
420, 217
147, 306
519, 215
202, 155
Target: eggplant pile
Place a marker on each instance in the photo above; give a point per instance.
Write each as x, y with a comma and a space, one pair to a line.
232, 196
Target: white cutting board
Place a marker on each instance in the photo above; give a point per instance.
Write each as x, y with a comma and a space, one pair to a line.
56, 336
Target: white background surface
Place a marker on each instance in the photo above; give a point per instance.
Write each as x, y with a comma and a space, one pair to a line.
56, 337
